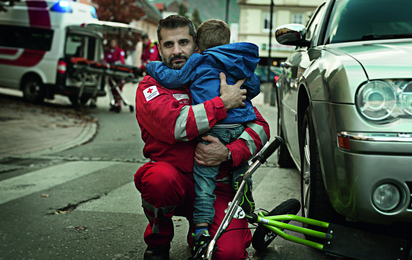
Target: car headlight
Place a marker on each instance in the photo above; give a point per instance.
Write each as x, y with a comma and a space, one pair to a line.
405, 98
381, 100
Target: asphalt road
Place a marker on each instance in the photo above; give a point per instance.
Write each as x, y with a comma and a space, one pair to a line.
81, 203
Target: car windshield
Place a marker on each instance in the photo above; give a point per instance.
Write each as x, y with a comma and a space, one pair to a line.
359, 20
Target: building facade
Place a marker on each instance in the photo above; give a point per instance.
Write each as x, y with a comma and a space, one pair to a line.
254, 24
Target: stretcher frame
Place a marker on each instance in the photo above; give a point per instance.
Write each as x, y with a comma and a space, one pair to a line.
123, 73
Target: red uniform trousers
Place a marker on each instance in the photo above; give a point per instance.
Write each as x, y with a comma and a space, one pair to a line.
116, 96
167, 192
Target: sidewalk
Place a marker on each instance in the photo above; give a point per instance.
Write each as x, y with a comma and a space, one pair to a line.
32, 130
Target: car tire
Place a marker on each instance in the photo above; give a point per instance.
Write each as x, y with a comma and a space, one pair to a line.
33, 89
284, 158
314, 198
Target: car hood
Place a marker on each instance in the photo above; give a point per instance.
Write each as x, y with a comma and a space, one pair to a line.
383, 59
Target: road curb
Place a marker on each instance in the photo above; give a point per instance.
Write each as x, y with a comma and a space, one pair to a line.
87, 134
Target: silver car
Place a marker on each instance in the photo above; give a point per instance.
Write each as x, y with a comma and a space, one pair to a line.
345, 110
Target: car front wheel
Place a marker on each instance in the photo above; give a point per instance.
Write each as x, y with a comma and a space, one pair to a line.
315, 201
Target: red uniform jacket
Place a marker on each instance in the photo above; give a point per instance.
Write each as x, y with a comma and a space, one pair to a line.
114, 56
149, 53
169, 126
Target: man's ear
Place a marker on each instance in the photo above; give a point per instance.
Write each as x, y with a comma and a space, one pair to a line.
196, 46
159, 49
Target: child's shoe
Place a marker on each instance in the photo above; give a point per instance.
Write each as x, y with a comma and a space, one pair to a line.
200, 244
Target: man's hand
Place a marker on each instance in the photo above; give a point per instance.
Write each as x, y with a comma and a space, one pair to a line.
232, 95
212, 154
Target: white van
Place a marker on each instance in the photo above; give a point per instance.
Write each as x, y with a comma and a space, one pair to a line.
37, 40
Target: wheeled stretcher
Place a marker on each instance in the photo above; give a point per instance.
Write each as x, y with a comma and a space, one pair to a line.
118, 74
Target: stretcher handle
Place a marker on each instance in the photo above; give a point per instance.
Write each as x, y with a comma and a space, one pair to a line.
262, 157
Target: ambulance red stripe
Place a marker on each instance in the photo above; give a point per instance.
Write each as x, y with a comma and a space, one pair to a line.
39, 17
8, 51
38, 14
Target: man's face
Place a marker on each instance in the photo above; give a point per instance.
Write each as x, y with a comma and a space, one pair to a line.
145, 41
176, 46
113, 44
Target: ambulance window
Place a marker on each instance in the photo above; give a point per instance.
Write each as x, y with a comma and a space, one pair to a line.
75, 45
26, 37
81, 46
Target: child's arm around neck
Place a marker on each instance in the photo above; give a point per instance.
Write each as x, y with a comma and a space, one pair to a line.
171, 78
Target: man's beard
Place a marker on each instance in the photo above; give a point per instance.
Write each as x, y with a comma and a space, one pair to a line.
176, 66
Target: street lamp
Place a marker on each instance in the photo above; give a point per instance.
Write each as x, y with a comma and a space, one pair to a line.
227, 11
270, 39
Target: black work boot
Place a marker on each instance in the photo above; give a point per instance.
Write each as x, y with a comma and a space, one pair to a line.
157, 253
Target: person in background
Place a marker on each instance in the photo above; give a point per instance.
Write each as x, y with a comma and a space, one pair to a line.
237, 61
149, 52
115, 55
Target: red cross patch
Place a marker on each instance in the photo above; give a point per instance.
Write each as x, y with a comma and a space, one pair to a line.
150, 93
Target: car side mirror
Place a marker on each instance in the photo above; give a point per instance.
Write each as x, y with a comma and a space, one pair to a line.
292, 34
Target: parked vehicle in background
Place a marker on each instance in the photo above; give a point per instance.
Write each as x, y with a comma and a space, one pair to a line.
345, 110
267, 86
42, 37
262, 72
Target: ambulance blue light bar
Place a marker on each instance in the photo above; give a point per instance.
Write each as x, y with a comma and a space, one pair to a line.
62, 7
93, 11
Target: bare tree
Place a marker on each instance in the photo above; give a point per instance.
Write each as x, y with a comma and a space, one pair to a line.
122, 11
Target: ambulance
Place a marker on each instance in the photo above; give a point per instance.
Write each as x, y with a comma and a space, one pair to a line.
37, 40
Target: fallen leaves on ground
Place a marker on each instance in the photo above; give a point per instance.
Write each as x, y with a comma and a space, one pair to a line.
80, 228
80, 114
60, 212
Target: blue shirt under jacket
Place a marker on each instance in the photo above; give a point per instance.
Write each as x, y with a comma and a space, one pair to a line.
236, 60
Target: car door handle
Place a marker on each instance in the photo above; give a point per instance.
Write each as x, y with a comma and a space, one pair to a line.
286, 65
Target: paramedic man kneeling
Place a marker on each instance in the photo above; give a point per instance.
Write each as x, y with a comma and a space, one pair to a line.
169, 127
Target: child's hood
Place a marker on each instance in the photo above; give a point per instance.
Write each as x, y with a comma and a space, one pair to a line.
239, 59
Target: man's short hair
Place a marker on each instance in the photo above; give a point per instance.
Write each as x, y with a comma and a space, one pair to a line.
211, 33
173, 22
145, 36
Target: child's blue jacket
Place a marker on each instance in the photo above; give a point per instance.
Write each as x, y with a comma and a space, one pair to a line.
236, 60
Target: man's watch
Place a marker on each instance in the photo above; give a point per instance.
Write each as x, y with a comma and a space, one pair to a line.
229, 155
